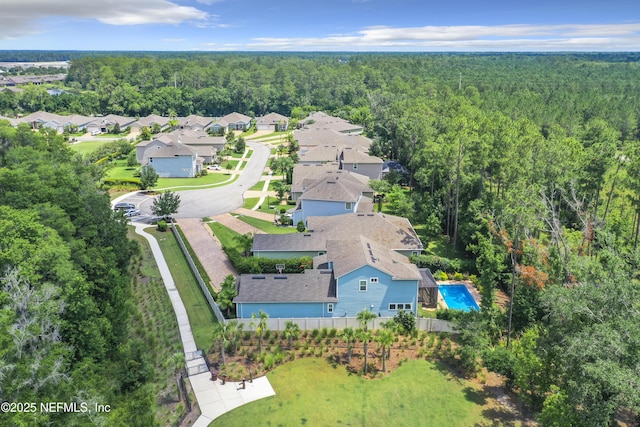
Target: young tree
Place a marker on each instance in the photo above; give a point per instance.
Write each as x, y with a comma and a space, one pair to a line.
365, 336
349, 335
148, 177
385, 338
132, 159
261, 328
240, 146
246, 242
291, 332
281, 189
166, 204
220, 338
227, 293
364, 317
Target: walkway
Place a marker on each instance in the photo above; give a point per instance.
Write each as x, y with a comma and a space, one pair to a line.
208, 250
214, 399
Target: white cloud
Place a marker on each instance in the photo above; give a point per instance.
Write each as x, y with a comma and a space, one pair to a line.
20, 18
521, 37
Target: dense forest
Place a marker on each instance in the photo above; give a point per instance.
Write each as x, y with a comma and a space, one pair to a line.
65, 292
527, 164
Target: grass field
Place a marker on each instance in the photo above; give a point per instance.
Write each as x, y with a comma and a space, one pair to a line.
200, 316
313, 392
86, 147
267, 226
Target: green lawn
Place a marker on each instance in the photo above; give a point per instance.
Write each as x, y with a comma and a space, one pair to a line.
86, 147
260, 185
225, 235
200, 316
311, 392
250, 202
120, 170
267, 226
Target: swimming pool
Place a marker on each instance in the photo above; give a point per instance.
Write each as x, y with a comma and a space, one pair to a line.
458, 297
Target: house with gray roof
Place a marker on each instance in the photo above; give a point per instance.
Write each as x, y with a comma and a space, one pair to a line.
321, 120
393, 232
172, 159
231, 122
312, 294
105, 123
354, 274
334, 193
273, 121
357, 161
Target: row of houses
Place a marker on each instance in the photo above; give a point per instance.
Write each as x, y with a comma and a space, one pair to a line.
12, 81
95, 125
360, 258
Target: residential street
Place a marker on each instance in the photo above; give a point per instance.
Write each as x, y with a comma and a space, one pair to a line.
218, 200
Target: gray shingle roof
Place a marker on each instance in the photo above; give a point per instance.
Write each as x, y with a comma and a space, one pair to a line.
349, 255
298, 242
338, 186
271, 119
312, 286
391, 231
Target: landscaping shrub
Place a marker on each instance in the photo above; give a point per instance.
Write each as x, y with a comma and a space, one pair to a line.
162, 225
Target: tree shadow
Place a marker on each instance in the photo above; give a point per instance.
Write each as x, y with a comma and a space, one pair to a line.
475, 396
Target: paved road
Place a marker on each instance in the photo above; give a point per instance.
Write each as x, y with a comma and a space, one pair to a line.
218, 200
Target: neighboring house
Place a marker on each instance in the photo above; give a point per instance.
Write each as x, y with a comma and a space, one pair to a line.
315, 137
173, 160
272, 121
312, 294
392, 232
151, 146
195, 122
306, 174
149, 121
353, 275
362, 163
320, 120
335, 193
103, 124
205, 146
231, 122
42, 119
319, 155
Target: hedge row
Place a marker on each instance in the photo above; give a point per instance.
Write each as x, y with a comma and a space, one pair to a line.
257, 265
111, 182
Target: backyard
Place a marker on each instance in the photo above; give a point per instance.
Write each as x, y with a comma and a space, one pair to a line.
314, 392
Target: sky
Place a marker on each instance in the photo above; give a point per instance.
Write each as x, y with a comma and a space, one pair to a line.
321, 25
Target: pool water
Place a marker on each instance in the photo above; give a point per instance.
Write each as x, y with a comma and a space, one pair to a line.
458, 297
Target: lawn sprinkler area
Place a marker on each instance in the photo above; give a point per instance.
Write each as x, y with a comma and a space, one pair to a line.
458, 297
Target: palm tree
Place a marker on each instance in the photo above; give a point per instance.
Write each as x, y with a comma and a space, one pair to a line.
245, 241
291, 331
227, 293
385, 338
234, 331
349, 336
220, 338
177, 362
365, 336
262, 327
364, 316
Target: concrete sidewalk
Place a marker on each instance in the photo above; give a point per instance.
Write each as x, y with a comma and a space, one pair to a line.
216, 399
213, 398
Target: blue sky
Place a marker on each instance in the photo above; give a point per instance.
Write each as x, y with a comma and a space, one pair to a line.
321, 25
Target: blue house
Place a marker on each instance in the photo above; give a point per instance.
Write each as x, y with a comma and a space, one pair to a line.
335, 193
353, 275
172, 160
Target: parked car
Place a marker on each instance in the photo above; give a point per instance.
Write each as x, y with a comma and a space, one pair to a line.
214, 167
124, 206
132, 212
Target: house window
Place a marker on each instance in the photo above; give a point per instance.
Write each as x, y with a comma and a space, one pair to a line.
330, 308
348, 206
150, 159
373, 280
415, 253
355, 166
400, 306
363, 286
